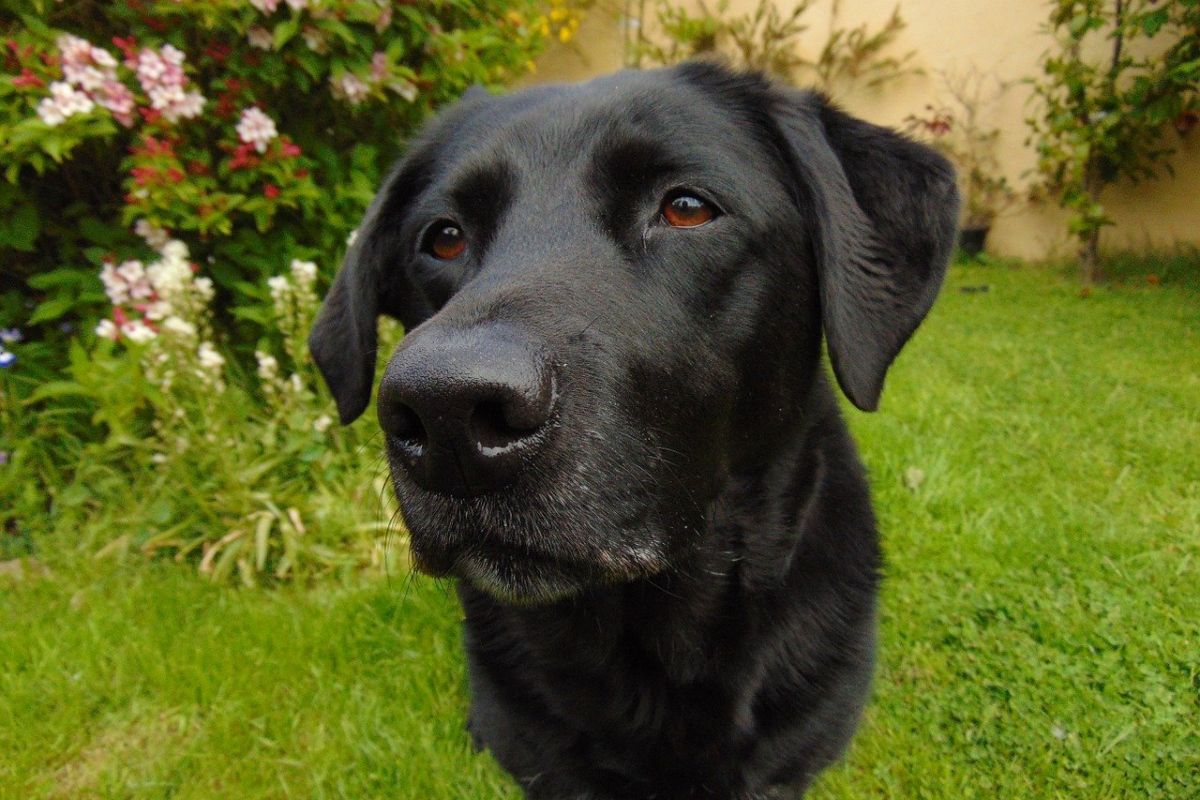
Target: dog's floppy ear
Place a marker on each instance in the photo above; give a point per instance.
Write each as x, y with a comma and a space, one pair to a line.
884, 212
371, 282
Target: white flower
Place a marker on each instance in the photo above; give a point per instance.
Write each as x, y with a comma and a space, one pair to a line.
279, 287
179, 327
407, 90
84, 76
256, 128
296, 384
134, 275
103, 58
204, 288
74, 49
265, 6
209, 358
268, 367
114, 285
314, 38
350, 87
186, 107
170, 277
350, 237
260, 37
305, 272
322, 423
171, 54
107, 330
64, 101
153, 235
296, 5
157, 310
175, 250
138, 332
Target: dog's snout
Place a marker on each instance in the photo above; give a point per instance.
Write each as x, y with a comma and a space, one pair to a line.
466, 410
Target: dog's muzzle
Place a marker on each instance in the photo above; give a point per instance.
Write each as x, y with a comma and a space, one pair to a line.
465, 410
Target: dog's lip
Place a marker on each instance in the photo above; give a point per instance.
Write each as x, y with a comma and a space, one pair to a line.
481, 547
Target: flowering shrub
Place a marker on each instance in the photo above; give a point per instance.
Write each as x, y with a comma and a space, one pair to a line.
161, 160
244, 128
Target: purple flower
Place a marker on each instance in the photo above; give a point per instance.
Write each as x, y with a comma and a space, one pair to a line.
10, 335
7, 359
3, 457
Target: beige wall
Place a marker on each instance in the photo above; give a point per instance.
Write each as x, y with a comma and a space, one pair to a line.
952, 35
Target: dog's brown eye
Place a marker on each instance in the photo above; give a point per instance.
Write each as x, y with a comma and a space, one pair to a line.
446, 241
687, 211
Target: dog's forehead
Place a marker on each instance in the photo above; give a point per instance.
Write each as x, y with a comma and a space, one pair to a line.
549, 129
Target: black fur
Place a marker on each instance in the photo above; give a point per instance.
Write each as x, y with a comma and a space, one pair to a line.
676, 598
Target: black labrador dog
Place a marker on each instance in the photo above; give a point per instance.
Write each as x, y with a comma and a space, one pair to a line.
610, 421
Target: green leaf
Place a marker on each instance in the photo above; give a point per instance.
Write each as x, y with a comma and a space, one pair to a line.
20, 230
98, 232
284, 31
1154, 20
54, 278
54, 389
52, 309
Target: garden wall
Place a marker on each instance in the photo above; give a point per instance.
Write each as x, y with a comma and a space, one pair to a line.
953, 35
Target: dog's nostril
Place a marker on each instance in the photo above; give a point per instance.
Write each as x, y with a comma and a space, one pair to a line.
496, 425
405, 424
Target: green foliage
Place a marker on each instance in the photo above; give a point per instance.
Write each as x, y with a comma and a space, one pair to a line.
163, 160
343, 81
245, 475
1119, 75
768, 40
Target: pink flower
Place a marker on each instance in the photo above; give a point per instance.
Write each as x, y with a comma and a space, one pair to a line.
162, 78
271, 191
384, 19
117, 98
265, 6
256, 128
379, 66
74, 50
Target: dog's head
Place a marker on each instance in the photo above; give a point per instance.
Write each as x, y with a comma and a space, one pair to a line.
615, 295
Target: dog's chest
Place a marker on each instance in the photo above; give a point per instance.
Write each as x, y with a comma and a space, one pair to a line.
640, 705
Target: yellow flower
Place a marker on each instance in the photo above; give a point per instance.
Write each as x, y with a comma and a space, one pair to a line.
564, 35
514, 18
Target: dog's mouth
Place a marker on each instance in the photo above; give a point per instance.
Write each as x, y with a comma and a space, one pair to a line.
511, 573
532, 547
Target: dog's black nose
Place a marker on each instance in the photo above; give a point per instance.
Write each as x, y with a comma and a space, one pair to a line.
466, 410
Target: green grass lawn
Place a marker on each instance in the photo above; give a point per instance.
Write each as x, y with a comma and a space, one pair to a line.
1036, 464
